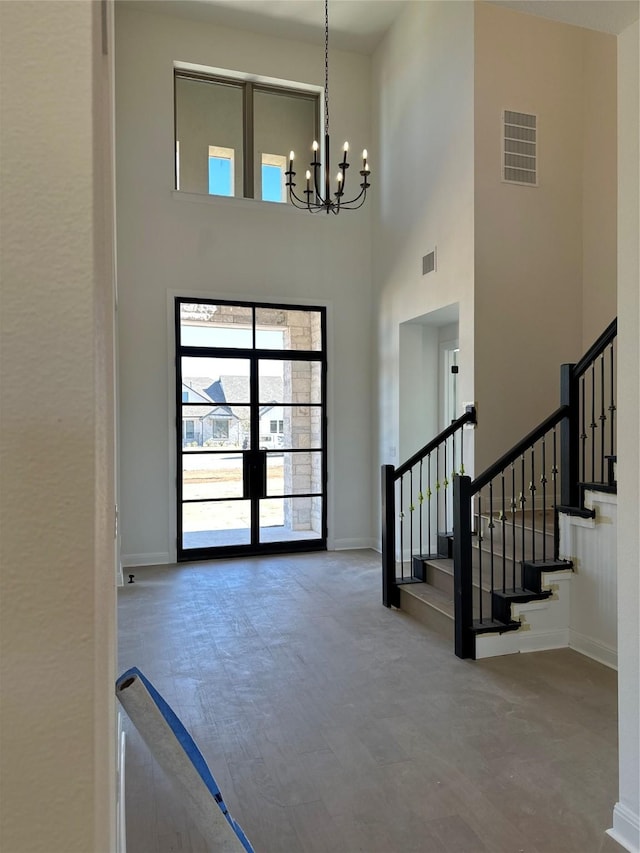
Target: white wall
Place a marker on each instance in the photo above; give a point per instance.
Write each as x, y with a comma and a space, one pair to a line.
533, 243
626, 817
57, 497
423, 66
230, 248
599, 184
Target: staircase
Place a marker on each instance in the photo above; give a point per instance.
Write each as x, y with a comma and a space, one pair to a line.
495, 579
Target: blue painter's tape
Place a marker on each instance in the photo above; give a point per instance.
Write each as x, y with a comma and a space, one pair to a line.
189, 746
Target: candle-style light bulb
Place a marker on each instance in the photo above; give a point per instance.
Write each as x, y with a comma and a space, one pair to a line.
315, 145
308, 175
364, 154
346, 147
290, 156
339, 178
366, 168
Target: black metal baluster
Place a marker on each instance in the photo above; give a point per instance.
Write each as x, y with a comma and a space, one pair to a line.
603, 418
445, 489
543, 480
491, 528
420, 504
532, 489
480, 555
429, 505
411, 509
583, 430
461, 471
523, 501
402, 527
503, 519
554, 474
612, 407
514, 507
437, 530
593, 424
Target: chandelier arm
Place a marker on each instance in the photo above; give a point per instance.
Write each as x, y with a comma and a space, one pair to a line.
351, 205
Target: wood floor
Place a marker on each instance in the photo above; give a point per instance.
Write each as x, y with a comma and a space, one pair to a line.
334, 725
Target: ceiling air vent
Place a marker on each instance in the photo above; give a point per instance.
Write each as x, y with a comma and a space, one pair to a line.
520, 148
429, 262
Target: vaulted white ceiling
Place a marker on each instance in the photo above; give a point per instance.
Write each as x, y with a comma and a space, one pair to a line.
360, 24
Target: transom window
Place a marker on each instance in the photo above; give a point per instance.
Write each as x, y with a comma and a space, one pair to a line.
232, 137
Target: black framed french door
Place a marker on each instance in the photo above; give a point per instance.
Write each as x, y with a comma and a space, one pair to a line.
250, 428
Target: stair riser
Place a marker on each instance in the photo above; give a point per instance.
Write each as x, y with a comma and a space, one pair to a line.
443, 582
426, 615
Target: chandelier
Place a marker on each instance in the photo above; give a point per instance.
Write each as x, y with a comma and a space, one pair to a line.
318, 195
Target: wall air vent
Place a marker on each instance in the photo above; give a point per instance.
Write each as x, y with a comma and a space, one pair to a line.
520, 148
429, 262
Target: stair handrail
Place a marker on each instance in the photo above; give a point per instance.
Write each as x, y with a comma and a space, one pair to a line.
517, 450
469, 417
390, 475
597, 348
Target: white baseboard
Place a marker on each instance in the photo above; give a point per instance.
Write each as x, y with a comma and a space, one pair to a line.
352, 544
626, 828
131, 560
594, 649
542, 641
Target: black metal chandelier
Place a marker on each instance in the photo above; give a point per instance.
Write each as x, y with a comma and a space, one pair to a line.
318, 194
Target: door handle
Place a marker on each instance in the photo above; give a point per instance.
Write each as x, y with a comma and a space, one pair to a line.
254, 474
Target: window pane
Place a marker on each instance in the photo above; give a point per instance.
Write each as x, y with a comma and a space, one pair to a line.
207, 114
286, 519
288, 329
204, 325
282, 122
294, 473
272, 183
208, 525
221, 170
212, 475
289, 382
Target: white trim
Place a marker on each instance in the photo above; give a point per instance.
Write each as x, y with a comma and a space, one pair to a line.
594, 649
352, 544
159, 559
626, 828
540, 641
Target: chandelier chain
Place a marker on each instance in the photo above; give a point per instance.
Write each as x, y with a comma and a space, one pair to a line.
326, 66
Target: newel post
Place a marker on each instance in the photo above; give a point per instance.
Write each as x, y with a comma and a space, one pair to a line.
465, 646
390, 594
570, 437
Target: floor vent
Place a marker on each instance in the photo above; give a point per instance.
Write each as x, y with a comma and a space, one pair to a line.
520, 148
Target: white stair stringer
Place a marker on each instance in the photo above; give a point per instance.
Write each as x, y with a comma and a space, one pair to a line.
544, 624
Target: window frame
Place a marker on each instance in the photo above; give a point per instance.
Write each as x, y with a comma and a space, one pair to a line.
248, 87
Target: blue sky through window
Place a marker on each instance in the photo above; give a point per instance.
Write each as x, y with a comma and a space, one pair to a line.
271, 183
220, 176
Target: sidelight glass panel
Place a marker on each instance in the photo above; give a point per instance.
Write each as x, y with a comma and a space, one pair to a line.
290, 519
288, 329
212, 475
294, 473
206, 325
210, 524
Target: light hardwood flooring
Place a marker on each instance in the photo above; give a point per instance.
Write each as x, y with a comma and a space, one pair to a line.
334, 725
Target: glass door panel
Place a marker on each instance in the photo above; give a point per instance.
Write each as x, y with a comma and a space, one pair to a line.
215, 524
